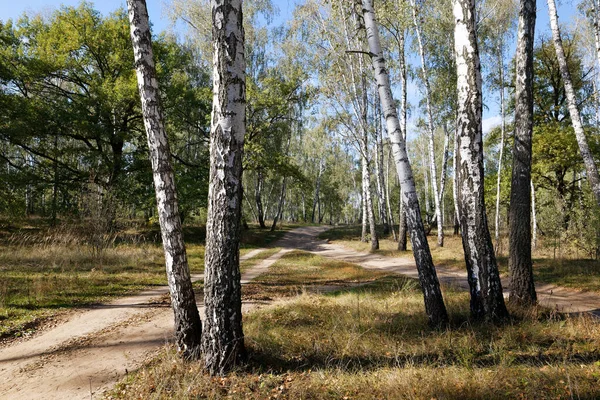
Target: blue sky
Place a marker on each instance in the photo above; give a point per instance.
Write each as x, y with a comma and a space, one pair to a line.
156, 8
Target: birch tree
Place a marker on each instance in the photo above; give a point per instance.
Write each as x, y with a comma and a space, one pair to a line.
596, 24
522, 288
223, 341
395, 19
434, 303
588, 159
487, 300
430, 129
188, 327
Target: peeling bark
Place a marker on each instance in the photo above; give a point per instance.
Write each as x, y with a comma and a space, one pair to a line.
522, 288
188, 327
223, 341
434, 303
487, 300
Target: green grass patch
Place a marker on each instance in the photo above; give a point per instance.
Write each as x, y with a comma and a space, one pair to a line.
45, 271
245, 265
373, 341
299, 271
254, 237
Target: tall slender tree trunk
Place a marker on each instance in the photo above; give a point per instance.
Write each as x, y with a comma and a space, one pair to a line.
280, 205
188, 327
56, 182
317, 190
390, 215
402, 226
522, 288
303, 207
596, 24
533, 218
223, 341
484, 280
434, 302
368, 205
258, 199
588, 159
430, 130
501, 155
381, 193
250, 206
444, 173
455, 157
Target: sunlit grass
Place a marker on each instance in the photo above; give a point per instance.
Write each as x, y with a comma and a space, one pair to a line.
373, 341
579, 274
300, 271
46, 272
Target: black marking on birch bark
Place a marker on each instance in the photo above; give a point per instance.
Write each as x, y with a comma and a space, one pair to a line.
188, 327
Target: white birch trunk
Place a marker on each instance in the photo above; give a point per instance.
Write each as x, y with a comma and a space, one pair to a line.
365, 218
381, 192
188, 327
426, 181
434, 303
501, 155
588, 159
390, 215
444, 173
533, 218
484, 279
596, 24
317, 189
402, 227
223, 341
455, 157
430, 130
368, 207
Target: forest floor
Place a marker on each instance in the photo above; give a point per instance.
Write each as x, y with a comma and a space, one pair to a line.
97, 347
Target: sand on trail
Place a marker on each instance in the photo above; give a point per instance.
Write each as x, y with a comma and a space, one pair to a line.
86, 355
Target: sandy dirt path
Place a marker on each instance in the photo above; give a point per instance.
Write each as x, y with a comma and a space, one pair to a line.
93, 349
552, 296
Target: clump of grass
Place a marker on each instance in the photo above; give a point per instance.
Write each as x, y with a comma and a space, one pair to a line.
373, 341
254, 237
299, 271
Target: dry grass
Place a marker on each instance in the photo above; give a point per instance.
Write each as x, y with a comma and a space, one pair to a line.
299, 271
373, 342
251, 262
45, 272
582, 274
